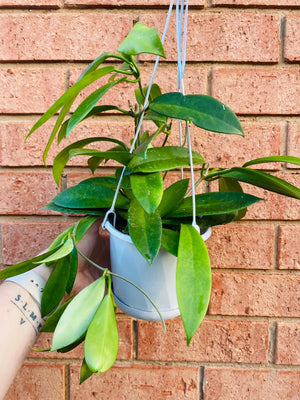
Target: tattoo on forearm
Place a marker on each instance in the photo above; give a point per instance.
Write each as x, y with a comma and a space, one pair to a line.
28, 316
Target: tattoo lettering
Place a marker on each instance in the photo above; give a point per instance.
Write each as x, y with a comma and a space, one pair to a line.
27, 314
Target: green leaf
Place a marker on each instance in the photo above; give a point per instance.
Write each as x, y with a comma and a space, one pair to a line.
60, 253
215, 203
96, 196
142, 39
63, 156
55, 287
52, 320
170, 241
27, 265
88, 211
193, 279
123, 157
148, 190
163, 159
102, 339
85, 372
172, 197
283, 159
154, 92
87, 105
144, 230
204, 111
83, 226
73, 270
78, 315
261, 179
230, 185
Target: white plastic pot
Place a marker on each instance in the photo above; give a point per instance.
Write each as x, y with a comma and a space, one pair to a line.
157, 280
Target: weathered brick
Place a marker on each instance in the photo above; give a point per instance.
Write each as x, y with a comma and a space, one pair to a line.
292, 39
246, 384
26, 192
262, 3
288, 343
29, 90
64, 36
258, 91
121, 3
125, 344
255, 294
215, 341
293, 141
242, 246
223, 37
30, 3
38, 381
22, 240
289, 247
136, 382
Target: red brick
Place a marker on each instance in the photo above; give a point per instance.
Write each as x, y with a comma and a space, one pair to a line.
288, 343
125, 344
30, 3
26, 192
52, 36
289, 247
292, 39
29, 90
258, 91
38, 381
223, 37
293, 141
255, 294
262, 3
22, 240
136, 382
215, 341
120, 3
246, 384
242, 246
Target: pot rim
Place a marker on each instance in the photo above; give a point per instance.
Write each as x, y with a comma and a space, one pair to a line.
126, 238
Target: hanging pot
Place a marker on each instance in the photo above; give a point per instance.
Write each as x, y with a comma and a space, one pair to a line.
157, 280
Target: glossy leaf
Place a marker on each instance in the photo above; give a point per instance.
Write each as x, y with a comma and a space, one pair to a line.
63, 156
230, 185
203, 221
154, 92
27, 265
78, 315
283, 159
263, 180
52, 320
83, 226
55, 287
144, 230
95, 197
172, 197
163, 159
142, 39
122, 157
102, 339
85, 372
60, 253
87, 211
170, 241
204, 111
148, 190
215, 203
193, 279
87, 105
73, 270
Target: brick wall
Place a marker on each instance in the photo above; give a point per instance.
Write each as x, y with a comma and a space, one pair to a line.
245, 52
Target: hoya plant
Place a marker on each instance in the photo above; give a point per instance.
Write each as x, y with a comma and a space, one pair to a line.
137, 197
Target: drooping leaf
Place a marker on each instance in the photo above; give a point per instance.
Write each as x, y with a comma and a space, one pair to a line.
144, 230
214, 203
52, 320
122, 157
102, 338
148, 190
170, 241
55, 287
85, 372
163, 159
230, 185
60, 253
63, 156
193, 279
204, 111
78, 315
172, 197
154, 92
83, 226
263, 180
142, 39
73, 270
283, 159
87, 211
